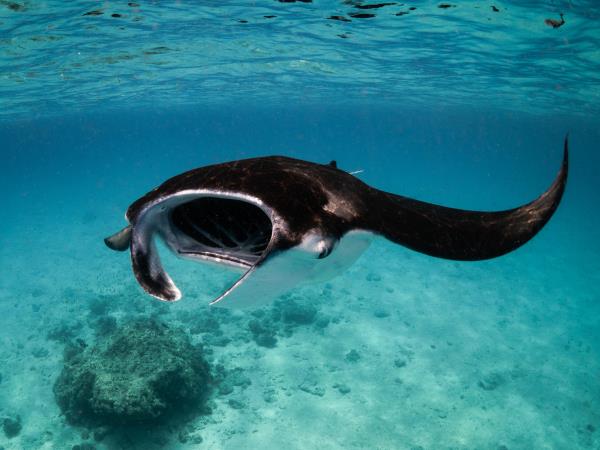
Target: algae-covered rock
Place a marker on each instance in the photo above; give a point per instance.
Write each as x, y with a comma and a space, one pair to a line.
12, 426
144, 372
298, 313
263, 332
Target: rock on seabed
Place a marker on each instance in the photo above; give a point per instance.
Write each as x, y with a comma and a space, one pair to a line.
144, 372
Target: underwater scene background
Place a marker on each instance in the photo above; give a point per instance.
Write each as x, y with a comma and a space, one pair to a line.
464, 104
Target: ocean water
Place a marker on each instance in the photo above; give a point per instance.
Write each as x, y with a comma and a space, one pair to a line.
452, 103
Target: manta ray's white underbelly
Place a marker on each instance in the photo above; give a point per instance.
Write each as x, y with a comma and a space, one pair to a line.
295, 266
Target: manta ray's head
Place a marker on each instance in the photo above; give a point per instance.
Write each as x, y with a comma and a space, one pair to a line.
228, 229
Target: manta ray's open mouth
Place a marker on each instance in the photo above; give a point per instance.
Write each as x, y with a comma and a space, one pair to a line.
222, 230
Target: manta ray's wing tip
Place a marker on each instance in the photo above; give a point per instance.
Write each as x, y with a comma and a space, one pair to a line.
467, 235
558, 186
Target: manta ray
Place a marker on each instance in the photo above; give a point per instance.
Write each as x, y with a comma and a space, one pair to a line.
282, 221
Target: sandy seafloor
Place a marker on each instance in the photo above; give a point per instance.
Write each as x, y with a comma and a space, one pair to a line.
405, 352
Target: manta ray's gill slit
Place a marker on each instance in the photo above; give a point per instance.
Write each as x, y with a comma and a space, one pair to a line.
230, 228
220, 225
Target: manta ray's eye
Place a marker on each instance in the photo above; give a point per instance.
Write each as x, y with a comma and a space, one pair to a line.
325, 247
324, 252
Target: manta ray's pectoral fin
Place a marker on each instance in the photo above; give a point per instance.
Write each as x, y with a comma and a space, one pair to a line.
317, 258
265, 281
148, 270
464, 235
120, 240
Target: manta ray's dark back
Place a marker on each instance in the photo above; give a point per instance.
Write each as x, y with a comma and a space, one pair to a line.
313, 195
306, 194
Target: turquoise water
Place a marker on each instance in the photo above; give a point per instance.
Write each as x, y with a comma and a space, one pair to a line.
461, 106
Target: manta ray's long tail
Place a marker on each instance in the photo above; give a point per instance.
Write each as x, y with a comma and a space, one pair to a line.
466, 235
